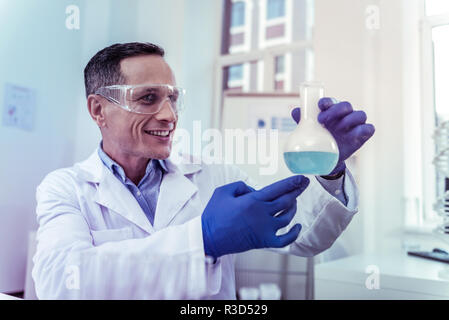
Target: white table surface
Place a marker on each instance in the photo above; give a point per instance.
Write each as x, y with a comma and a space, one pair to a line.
396, 272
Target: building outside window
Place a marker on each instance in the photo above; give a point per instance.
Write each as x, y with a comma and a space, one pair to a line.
275, 9
253, 33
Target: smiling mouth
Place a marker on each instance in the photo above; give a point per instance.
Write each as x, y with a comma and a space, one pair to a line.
159, 133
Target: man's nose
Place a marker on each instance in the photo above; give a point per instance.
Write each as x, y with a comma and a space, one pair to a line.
167, 112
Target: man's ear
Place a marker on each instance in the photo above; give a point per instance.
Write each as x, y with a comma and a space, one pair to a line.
95, 105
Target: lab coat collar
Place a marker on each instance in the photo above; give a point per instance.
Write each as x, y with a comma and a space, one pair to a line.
90, 168
175, 190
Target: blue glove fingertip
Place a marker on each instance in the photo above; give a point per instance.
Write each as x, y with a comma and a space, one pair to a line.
301, 181
326, 103
298, 228
321, 118
209, 248
296, 114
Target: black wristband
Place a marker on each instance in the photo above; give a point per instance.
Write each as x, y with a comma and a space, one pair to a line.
335, 176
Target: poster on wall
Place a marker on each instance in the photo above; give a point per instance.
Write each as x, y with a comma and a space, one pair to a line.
19, 107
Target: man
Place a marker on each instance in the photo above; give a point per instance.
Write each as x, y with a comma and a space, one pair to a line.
129, 223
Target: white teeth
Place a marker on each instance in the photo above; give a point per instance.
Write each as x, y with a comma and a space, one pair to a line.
159, 133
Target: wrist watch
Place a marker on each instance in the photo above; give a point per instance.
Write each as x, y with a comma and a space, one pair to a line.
334, 176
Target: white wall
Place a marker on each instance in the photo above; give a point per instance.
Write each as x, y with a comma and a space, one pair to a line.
338, 47
378, 72
38, 52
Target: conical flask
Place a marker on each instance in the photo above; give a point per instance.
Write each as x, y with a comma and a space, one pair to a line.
311, 148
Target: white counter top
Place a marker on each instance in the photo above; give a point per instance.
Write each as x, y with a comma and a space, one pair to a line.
400, 277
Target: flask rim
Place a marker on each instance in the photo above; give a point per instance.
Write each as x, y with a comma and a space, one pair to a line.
310, 84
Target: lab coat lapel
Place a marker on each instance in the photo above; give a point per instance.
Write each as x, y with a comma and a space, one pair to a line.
113, 194
175, 191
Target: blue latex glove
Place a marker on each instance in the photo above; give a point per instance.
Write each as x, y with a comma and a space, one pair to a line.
348, 127
237, 218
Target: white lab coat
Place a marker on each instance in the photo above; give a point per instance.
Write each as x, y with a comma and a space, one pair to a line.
95, 242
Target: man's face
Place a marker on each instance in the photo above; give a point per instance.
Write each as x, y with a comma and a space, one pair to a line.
128, 133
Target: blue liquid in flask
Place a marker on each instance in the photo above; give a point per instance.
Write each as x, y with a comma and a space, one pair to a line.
311, 162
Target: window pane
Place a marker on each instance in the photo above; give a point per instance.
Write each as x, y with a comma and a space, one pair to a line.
235, 78
238, 14
235, 72
440, 37
275, 9
435, 7
279, 64
241, 77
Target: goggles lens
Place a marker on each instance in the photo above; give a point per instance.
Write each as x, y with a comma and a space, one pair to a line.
146, 99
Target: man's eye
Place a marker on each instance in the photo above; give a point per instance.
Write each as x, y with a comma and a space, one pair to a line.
149, 98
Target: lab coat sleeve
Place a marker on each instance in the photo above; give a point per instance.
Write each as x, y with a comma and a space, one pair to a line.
169, 264
322, 216
335, 188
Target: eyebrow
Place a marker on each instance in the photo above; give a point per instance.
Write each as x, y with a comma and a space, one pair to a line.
148, 90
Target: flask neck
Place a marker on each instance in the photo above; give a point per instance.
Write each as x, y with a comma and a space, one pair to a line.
310, 112
310, 96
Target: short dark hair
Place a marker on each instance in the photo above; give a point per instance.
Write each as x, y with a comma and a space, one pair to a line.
104, 67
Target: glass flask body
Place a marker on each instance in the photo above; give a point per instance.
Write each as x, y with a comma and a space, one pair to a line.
311, 148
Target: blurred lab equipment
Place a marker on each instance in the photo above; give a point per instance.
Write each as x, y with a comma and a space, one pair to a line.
441, 205
441, 162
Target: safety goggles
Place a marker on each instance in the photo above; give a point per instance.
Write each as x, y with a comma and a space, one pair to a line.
145, 98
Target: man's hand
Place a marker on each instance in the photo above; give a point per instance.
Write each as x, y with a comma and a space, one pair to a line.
237, 218
348, 127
